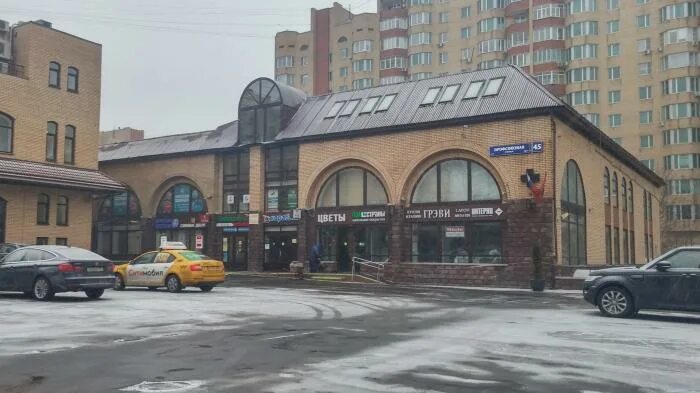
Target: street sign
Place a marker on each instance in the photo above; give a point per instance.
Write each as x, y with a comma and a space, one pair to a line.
521, 148
199, 242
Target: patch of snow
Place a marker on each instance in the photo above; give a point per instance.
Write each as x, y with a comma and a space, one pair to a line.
165, 387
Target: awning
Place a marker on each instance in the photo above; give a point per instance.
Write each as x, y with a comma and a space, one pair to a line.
35, 173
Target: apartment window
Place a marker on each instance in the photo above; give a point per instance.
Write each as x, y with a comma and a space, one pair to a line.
42, 241
682, 136
419, 18
640, 2
548, 56
613, 50
364, 65
51, 140
42, 209
585, 51
582, 74
645, 93
422, 58
549, 11
681, 111
444, 16
361, 46
465, 12
69, 145
62, 210
548, 33
614, 96
645, 117
580, 29
649, 163
614, 73
345, 53
465, 32
6, 133
420, 38
349, 109
72, 80
644, 68
444, 57
683, 212
421, 2
465, 54
393, 23
643, 45
583, 97
613, 26
615, 119
682, 161
520, 60
689, 84
362, 83
517, 39
485, 65
493, 87
613, 4
395, 43
491, 24
304, 61
421, 75
485, 5
343, 71
492, 45
443, 38
684, 187
304, 80
680, 60
643, 21
679, 11
54, 75
285, 61
684, 34
61, 241
646, 141
390, 80
287, 79
578, 6
594, 118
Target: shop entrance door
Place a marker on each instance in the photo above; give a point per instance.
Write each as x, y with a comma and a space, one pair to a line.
344, 247
280, 250
3, 210
237, 252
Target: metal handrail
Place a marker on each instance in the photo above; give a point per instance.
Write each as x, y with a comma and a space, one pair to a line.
374, 265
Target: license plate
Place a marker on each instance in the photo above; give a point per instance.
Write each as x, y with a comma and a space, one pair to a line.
212, 268
94, 269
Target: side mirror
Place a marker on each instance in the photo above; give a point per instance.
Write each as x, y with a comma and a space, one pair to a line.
662, 266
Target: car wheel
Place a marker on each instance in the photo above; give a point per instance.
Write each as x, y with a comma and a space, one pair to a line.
206, 288
616, 302
118, 282
173, 283
42, 289
94, 293
152, 288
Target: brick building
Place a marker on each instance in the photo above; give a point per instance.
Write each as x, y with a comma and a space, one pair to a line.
630, 67
432, 176
49, 119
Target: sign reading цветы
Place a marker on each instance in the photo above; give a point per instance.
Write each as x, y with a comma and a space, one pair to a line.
521, 148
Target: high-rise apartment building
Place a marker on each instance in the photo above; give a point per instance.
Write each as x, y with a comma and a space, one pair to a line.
631, 67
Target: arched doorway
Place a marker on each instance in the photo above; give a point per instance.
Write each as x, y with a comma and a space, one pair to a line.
180, 216
456, 214
573, 222
119, 227
352, 217
3, 218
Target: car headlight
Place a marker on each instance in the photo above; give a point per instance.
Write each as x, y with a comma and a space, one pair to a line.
591, 278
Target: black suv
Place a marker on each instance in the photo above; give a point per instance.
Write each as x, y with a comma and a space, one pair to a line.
669, 282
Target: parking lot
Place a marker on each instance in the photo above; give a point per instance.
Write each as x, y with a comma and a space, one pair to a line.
283, 335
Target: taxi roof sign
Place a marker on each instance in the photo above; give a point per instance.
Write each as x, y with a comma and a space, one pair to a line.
173, 246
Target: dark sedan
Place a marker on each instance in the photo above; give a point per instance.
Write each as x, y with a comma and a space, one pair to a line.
42, 271
669, 282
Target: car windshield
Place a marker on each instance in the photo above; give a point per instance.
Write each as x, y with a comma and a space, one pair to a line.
194, 256
79, 254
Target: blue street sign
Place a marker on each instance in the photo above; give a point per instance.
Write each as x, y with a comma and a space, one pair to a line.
522, 148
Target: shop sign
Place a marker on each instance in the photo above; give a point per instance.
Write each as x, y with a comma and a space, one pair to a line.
369, 216
182, 199
236, 230
522, 148
253, 219
292, 198
452, 213
246, 198
454, 231
230, 199
296, 214
231, 221
163, 240
166, 223
199, 242
272, 199
278, 218
330, 218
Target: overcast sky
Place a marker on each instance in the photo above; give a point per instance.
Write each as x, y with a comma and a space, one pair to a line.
173, 66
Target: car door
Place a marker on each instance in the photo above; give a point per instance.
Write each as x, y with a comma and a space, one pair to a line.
136, 271
27, 267
674, 288
159, 269
8, 268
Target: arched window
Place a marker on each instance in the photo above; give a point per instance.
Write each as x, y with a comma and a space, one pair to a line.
51, 136
119, 227
342, 39
606, 186
3, 215
456, 181
72, 80
614, 190
6, 133
573, 226
54, 75
42, 209
69, 145
303, 47
62, 210
182, 199
352, 187
624, 194
630, 197
124, 206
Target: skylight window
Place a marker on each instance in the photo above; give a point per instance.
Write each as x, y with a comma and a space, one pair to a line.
350, 108
449, 93
493, 87
386, 103
474, 89
431, 96
335, 109
369, 105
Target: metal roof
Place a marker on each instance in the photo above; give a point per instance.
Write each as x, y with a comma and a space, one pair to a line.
30, 172
518, 93
225, 136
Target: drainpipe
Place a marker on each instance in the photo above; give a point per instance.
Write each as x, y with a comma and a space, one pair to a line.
554, 199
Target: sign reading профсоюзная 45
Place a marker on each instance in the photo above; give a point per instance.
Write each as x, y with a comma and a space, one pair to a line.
520, 148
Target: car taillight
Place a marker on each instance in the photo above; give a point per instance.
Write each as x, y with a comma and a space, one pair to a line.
196, 268
66, 268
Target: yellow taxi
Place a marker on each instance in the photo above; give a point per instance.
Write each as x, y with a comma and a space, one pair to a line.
173, 267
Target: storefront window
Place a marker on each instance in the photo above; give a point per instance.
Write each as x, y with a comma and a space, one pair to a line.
573, 206
179, 216
119, 228
456, 181
281, 177
352, 187
182, 199
236, 182
458, 242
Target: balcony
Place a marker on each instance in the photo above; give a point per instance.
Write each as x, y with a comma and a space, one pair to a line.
12, 69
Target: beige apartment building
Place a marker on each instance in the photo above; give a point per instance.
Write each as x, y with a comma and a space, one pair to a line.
49, 121
631, 67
